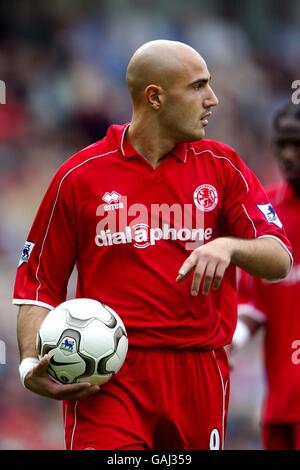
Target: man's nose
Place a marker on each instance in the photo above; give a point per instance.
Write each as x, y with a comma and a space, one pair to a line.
211, 99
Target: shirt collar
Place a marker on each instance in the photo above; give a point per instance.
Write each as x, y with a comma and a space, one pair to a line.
118, 135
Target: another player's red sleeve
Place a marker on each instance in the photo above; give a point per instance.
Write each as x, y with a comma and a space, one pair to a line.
49, 253
248, 211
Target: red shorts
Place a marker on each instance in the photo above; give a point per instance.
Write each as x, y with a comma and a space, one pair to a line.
158, 400
281, 436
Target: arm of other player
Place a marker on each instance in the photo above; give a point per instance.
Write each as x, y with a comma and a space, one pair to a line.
37, 379
262, 257
245, 329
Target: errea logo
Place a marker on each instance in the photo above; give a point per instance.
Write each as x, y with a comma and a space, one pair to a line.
111, 200
111, 197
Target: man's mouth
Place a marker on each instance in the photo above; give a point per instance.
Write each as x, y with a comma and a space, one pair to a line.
204, 118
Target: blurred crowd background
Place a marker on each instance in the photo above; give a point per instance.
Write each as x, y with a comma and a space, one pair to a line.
63, 63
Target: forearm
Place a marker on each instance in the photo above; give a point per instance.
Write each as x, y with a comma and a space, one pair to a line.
29, 320
262, 257
35, 377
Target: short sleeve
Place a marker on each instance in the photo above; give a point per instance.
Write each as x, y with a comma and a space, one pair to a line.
248, 211
49, 253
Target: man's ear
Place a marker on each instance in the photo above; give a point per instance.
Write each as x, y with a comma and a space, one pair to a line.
153, 96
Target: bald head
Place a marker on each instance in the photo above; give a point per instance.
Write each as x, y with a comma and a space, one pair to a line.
158, 62
171, 94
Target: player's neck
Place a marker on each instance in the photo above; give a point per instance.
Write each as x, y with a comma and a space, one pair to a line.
148, 141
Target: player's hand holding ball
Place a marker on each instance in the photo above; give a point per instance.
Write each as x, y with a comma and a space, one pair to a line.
81, 344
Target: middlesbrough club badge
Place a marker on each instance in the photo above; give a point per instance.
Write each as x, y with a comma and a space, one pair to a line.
205, 197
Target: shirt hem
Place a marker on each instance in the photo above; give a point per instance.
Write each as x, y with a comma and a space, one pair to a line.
32, 302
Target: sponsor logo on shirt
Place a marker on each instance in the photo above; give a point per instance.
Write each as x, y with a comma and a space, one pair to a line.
205, 197
142, 236
112, 201
270, 214
143, 225
27, 250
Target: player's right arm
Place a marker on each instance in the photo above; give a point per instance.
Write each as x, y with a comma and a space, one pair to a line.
42, 277
37, 379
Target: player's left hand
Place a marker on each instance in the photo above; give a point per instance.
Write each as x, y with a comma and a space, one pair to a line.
209, 263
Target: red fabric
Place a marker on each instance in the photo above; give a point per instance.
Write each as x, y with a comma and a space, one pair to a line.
135, 278
158, 400
280, 303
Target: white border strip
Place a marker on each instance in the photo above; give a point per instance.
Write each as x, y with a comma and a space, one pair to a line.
251, 311
74, 425
53, 209
283, 245
226, 159
254, 228
32, 302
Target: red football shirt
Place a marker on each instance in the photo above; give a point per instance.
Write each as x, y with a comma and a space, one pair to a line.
278, 305
129, 227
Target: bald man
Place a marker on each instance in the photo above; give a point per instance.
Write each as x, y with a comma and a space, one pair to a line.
156, 219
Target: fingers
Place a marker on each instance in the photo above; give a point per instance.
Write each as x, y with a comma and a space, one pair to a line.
209, 274
197, 278
41, 368
187, 267
209, 278
76, 391
88, 391
219, 274
209, 263
39, 381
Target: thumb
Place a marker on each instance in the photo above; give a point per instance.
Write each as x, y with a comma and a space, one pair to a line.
42, 367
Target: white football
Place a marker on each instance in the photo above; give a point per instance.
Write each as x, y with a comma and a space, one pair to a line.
86, 341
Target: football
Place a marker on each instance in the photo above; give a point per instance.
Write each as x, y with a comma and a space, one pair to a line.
85, 340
